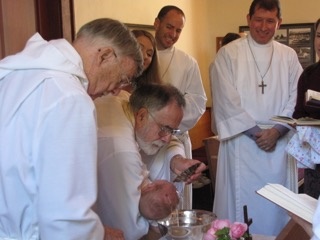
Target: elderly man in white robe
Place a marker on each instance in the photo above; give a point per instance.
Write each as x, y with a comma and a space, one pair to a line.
48, 132
136, 129
182, 71
254, 78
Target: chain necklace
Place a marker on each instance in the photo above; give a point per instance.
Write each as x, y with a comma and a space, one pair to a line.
262, 85
165, 72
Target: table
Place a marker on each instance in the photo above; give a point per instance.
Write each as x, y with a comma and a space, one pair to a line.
254, 237
261, 237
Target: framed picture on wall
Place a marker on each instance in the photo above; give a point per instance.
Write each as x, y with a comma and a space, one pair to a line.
298, 36
145, 27
218, 43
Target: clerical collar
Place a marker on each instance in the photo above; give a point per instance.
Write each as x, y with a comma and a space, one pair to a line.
255, 44
168, 50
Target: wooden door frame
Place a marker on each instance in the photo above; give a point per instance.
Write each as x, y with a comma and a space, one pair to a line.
55, 19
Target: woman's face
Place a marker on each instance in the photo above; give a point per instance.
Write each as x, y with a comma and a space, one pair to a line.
147, 51
317, 41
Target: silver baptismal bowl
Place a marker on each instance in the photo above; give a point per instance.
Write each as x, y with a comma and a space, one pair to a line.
186, 224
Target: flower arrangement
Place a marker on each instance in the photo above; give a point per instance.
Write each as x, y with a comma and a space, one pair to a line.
225, 230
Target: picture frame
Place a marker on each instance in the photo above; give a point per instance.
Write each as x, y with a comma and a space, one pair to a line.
299, 36
149, 28
218, 43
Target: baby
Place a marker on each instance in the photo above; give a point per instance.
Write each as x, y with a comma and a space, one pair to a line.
158, 198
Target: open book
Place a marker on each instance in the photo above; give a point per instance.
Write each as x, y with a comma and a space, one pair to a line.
300, 122
301, 205
313, 99
311, 94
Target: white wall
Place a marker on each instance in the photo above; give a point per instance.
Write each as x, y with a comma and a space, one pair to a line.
206, 20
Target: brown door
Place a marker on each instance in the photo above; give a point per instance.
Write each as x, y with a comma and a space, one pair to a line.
19, 20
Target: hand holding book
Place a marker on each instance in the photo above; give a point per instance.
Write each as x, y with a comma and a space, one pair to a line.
299, 122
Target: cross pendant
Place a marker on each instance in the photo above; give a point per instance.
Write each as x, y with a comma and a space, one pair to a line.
262, 85
248, 221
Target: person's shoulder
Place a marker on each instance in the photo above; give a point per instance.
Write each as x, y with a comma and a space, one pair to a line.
282, 47
182, 53
311, 68
185, 57
110, 100
234, 48
67, 83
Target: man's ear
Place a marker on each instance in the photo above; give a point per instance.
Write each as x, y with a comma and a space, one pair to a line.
105, 54
279, 23
141, 117
156, 23
248, 19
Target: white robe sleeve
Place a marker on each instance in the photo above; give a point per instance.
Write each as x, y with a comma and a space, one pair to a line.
120, 175
185, 75
231, 119
195, 97
66, 175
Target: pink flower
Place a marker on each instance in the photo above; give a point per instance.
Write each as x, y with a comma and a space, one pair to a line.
237, 229
224, 230
208, 236
212, 231
220, 224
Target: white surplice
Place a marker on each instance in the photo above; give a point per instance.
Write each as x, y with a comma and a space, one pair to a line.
48, 145
182, 71
239, 105
121, 169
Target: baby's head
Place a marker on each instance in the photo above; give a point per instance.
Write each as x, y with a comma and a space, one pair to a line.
158, 199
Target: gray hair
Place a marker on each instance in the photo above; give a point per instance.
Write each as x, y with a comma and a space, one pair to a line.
154, 97
116, 34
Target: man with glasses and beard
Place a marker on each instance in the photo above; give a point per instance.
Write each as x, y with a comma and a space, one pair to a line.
140, 126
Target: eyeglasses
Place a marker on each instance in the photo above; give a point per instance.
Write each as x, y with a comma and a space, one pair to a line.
165, 130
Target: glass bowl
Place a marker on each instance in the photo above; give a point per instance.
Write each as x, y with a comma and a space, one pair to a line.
186, 224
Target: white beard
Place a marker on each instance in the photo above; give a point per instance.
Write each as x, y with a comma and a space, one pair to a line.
149, 148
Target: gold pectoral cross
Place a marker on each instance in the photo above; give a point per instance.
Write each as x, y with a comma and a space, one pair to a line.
262, 85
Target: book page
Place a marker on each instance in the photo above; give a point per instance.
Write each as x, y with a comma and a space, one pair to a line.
311, 94
301, 205
306, 121
283, 119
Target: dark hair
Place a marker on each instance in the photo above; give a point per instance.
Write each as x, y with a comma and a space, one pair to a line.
155, 97
163, 12
115, 34
265, 4
316, 24
151, 74
229, 37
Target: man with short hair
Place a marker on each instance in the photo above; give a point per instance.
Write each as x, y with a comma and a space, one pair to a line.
48, 138
253, 79
182, 71
137, 128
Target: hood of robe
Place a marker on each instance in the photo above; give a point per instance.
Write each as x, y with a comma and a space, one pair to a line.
41, 54
38, 54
